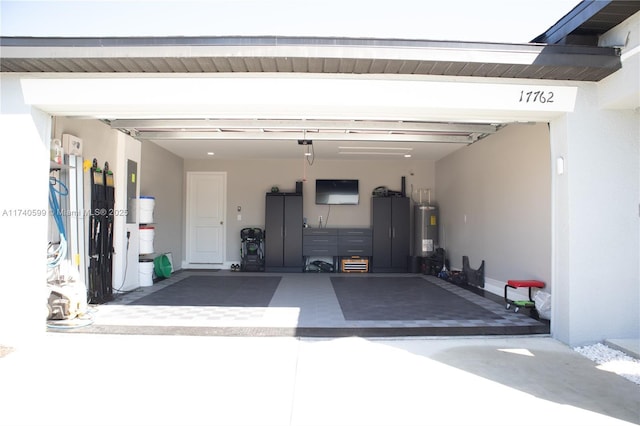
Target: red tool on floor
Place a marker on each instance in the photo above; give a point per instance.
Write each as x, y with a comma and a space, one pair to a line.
521, 284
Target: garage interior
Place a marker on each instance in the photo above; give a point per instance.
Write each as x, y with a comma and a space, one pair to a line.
305, 303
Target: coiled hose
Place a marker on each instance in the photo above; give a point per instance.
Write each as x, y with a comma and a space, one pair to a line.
61, 251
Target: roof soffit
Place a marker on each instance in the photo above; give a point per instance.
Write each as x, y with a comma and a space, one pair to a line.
306, 55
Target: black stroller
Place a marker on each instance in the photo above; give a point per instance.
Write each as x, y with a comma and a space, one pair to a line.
252, 250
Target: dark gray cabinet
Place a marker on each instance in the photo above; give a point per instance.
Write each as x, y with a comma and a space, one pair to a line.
333, 242
283, 232
391, 234
320, 242
337, 243
354, 242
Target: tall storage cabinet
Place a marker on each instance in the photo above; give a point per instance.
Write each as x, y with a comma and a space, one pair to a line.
283, 232
391, 234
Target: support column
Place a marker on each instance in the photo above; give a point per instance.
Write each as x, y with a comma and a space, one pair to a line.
24, 211
596, 226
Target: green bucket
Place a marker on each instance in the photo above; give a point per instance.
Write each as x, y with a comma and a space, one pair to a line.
162, 266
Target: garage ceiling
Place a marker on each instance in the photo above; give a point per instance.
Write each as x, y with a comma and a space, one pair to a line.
328, 139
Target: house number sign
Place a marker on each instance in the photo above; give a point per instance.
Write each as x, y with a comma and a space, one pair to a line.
537, 96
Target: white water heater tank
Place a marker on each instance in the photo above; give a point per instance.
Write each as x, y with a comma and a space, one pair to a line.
426, 222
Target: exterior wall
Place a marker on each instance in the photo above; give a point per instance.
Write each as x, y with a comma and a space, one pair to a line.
596, 267
495, 203
595, 213
26, 134
248, 181
161, 176
622, 89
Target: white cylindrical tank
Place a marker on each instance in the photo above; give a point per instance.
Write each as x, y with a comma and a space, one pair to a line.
146, 239
146, 272
426, 221
145, 206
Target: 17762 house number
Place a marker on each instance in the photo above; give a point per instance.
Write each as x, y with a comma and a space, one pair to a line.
537, 96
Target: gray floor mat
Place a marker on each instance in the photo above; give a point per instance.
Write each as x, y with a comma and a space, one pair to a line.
241, 291
402, 299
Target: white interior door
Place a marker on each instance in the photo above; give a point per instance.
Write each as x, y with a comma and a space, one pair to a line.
206, 194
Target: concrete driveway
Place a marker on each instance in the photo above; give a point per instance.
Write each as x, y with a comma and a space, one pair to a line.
88, 379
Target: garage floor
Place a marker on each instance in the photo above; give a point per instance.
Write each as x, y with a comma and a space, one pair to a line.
307, 305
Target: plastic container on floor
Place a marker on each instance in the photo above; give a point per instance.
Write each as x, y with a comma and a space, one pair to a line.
146, 272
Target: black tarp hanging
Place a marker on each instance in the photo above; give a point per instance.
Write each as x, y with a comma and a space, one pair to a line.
101, 234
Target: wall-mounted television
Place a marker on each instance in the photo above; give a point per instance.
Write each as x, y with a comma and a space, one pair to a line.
337, 191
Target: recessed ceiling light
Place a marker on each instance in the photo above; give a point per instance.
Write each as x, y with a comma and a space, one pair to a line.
391, 154
210, 153
376, 148
407, 156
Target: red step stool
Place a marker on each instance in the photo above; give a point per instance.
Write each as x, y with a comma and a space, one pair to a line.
521, 284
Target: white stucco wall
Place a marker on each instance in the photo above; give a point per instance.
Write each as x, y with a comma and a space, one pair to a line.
596, 203
24, 178
621, 90
596, 227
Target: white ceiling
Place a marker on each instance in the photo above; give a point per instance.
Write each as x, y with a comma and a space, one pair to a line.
290, 149
327, 139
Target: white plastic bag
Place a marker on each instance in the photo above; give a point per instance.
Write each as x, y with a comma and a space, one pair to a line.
543, 304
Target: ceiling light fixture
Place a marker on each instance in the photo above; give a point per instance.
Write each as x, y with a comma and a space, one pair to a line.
309, 154
376, 148
304, 140
371, 153
210, 153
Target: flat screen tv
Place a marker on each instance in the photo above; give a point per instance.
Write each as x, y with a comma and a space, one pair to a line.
337, 191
